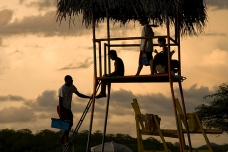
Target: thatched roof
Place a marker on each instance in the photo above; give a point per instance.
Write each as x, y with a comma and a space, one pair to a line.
192, 13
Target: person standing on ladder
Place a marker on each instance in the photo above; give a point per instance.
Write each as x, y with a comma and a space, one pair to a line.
146, 45
65, 93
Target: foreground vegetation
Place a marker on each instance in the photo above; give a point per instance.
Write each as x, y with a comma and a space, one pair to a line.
45, 141
214, 114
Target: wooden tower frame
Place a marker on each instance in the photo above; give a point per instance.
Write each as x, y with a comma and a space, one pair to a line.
156, 78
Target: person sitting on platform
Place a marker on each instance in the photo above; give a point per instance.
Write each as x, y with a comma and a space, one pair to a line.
119, 71
161, 59
146, 46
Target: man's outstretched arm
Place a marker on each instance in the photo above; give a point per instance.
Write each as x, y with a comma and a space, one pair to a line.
81, 95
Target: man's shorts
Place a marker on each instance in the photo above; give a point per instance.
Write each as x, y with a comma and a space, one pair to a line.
66, 115
148, 56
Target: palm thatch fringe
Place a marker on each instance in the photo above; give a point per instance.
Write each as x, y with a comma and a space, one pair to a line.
191, 13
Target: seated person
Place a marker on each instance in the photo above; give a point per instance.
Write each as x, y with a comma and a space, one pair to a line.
119, 71
161, 58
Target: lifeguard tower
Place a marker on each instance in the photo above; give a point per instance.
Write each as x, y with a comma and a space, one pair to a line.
187, 17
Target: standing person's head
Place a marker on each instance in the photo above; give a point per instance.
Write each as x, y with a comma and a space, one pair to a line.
161, 41
143, 21
68, 80
112, 54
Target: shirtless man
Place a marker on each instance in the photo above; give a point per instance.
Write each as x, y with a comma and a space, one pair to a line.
119, 71
161, 59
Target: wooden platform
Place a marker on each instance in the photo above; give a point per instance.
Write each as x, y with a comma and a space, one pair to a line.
140, 79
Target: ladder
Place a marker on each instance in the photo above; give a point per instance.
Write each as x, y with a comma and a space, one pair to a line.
81, 120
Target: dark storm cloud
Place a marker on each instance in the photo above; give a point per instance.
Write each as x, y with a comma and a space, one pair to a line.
13, 114
41, 25
80, 65
11, 98
218, 4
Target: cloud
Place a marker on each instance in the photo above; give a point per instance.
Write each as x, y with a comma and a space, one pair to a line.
6, 16
22, 1
47, 98
214, 34
11, 98
218, 4
44, 107
13, 114
222, 45
149, 103
79, 65
41, 4
216, 57
3, 64
44, 102
120, 107
193, 96
1, 41
121, 100
45, 25
17, 52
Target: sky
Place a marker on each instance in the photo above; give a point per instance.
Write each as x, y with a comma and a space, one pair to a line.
36, 52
